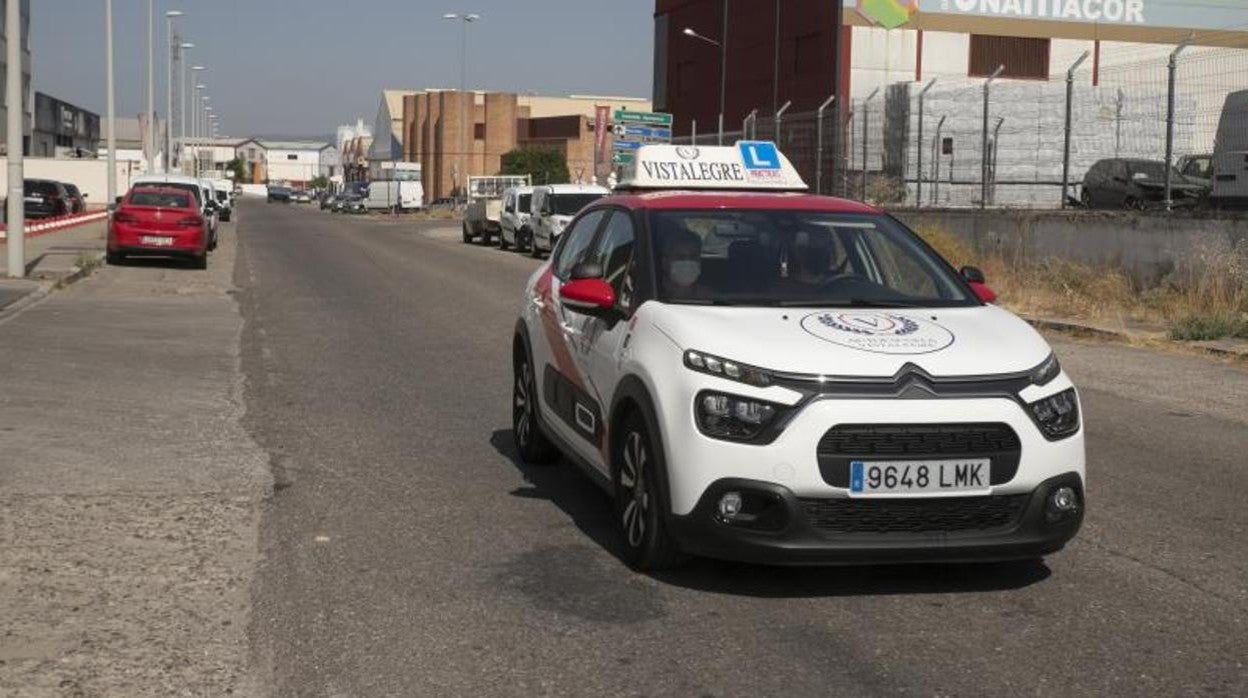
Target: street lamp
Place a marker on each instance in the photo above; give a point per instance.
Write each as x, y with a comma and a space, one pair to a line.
112, 104
197, 102
464, 19
723, 64
173, 43
151, 87
182, 49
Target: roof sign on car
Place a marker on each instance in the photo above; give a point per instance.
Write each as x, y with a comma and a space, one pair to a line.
748, 165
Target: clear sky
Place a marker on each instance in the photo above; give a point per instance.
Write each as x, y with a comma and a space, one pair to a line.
301, 67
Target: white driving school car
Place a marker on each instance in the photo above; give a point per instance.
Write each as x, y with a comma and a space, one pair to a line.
755, 373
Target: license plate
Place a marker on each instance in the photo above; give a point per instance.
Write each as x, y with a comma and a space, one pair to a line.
34, 199
156, 240
919, 476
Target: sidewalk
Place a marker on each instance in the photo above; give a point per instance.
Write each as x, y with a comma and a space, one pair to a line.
53, 260
1231, 348
129, 489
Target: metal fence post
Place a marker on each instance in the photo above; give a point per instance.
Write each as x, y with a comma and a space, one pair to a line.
983, 160
940, 125
1171, 68
751, 118
819, 143
918, 185
866, 120
1070, 96
996, 148
693, 132
780, 115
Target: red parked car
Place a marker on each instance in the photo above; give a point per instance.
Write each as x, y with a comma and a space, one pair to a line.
158, 222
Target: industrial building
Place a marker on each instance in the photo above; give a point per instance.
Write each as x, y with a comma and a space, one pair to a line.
62, 129
432, 127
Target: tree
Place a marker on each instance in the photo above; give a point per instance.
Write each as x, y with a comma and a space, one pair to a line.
239, 168
319, 182
545, 165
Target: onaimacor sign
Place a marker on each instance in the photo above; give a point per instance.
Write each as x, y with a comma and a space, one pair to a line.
1169, 14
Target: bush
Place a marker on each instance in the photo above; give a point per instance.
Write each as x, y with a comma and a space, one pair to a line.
546, 166
1205, 327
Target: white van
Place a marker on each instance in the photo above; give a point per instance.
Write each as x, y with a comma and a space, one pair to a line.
389, 195
553, 207
514, 221
1230, 154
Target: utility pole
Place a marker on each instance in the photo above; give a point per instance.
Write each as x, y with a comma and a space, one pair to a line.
151, 87
112, 103
15, 113
169, 36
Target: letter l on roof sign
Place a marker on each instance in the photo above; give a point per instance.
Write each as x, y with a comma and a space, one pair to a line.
759, 155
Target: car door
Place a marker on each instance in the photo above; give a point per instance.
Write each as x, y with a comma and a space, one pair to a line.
568, 409
603, 345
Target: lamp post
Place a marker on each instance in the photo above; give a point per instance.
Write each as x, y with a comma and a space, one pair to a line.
112, 103
182, 49
197, 103
151, 87
173, 42
464, 18
16, 115
723, 65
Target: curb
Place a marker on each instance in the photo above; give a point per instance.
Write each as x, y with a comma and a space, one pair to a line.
52, 225
1215, 347
46, 288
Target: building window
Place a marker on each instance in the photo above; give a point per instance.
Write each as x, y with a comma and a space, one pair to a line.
1022, 57
478, 131
292, 156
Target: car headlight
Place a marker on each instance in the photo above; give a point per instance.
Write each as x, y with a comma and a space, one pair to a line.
1046, 371
732, 370
732, 417
1057, 415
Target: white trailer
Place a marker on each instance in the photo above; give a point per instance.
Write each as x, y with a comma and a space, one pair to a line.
485, 205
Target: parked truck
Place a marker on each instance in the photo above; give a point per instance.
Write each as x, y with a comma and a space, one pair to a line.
485, 205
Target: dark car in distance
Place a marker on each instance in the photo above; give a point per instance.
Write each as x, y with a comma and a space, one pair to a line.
279, 194
1125, 183
46, 198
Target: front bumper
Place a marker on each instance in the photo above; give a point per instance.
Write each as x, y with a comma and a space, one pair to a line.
793, 532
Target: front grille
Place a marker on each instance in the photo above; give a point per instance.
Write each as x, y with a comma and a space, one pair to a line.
864, 440
938, 515
845, 443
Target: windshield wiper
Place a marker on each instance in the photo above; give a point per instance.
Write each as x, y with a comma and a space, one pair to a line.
848, 303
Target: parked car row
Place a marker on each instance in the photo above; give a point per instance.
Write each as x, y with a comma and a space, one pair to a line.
531, 219
170, 216
48, 198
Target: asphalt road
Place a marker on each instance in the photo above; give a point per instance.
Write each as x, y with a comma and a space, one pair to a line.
405, 552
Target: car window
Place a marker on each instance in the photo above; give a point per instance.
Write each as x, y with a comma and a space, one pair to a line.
160, 199
614, 252
525, 200
575, 241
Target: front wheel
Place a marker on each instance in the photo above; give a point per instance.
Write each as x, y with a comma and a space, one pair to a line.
639, 517
502, 241
533, 251
532, 445
467, 234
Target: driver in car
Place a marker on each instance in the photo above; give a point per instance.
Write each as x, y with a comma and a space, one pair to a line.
682, 261
810, 258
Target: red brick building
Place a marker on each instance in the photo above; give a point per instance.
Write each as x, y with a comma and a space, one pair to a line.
763, 72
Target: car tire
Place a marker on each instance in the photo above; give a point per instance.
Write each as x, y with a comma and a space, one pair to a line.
531, 444
502, 241
1085, 198
467, 235
200, 262
645, 543
114, 259
533, 251
1133, 204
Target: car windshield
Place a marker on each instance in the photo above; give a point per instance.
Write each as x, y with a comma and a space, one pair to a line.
222, 195
525, 201
800, 259
160, 199
193, 189
569, 204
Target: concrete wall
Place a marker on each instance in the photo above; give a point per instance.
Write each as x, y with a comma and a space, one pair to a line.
91, 176
1146, 247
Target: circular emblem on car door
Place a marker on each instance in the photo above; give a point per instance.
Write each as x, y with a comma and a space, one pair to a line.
882, 333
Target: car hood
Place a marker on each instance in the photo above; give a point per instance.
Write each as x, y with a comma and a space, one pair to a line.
977, 341
1178, 185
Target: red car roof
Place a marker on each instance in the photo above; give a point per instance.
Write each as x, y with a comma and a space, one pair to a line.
766, 201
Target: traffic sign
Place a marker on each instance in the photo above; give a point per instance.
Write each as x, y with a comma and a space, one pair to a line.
634, 132
621, 158
642, 117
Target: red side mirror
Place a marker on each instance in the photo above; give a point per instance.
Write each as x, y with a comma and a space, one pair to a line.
588, 294
985, 294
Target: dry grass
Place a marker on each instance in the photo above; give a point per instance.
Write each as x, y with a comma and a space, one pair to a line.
1206, 297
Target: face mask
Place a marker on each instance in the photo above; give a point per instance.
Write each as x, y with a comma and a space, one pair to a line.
685, 271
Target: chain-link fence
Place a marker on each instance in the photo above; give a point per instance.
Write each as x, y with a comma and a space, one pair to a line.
1004, 143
